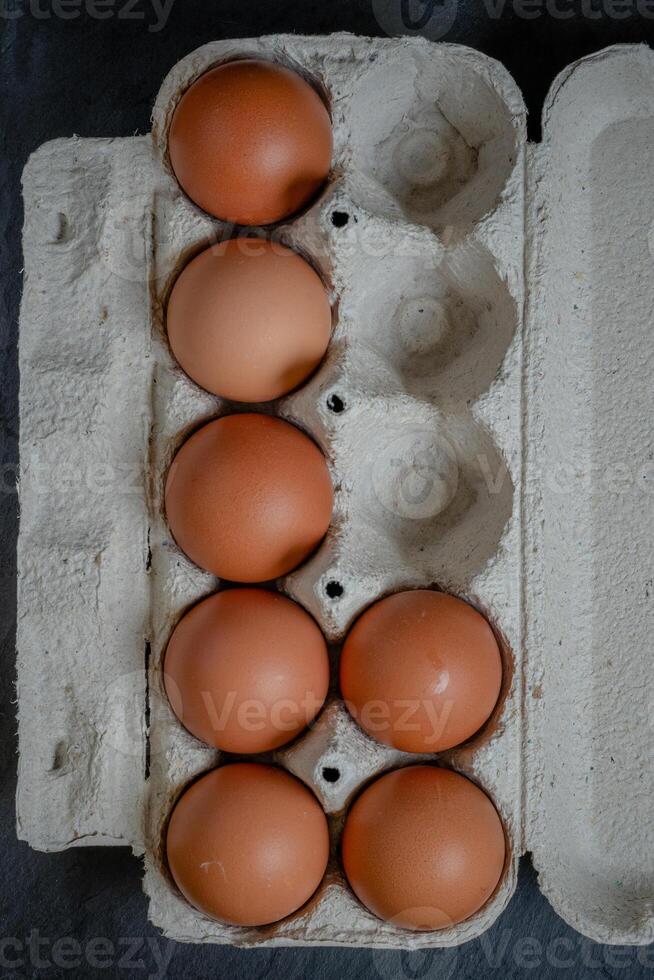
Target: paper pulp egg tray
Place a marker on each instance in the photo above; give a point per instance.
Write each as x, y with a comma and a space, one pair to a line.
486, 411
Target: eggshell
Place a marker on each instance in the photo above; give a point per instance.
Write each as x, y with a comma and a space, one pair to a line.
421, 671
250, 142
249, 320
423, 847
247, 844
246, 670
248, 497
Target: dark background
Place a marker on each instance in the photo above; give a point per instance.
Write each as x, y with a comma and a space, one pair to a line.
99, 78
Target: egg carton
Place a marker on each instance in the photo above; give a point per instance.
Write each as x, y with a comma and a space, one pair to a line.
484, 408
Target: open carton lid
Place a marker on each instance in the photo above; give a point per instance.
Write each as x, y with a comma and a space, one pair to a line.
589, 497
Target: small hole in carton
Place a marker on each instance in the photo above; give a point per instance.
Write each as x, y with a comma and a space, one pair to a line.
60, 756
330, 774
334, 589
340, 219
335, 404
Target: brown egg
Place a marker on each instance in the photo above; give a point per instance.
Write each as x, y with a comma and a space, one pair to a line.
248, 497
246, 670
250, 142
421, 671
249, 320
247, 844
423, 848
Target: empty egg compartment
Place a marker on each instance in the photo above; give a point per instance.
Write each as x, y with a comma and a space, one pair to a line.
422, 499
434, 137
449, 318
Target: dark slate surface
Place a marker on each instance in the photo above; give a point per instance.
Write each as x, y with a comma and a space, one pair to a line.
64, 71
